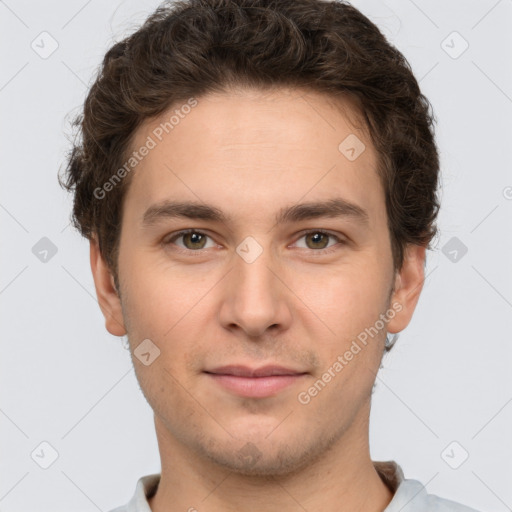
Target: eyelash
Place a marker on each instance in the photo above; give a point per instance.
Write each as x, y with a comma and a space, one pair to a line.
168, 241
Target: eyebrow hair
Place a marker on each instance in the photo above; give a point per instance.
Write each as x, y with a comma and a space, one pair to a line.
332, 208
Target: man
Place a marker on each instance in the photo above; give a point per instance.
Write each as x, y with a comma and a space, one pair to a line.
291, 145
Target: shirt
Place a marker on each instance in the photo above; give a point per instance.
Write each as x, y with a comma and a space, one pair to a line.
409, 495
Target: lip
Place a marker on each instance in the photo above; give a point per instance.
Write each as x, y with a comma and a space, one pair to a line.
255, 382
246, 371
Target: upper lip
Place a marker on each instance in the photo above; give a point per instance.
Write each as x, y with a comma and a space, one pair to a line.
246, 371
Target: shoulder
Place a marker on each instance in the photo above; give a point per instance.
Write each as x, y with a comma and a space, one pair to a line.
411, 496
146, 486
436, 504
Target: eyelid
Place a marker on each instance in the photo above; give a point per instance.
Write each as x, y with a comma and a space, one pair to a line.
170, 238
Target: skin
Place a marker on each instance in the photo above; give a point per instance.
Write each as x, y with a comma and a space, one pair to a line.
250, 153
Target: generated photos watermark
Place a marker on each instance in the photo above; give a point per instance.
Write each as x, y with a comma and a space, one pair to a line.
137, 156
304, 397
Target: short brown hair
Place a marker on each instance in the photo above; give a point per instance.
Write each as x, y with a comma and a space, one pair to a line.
190, 48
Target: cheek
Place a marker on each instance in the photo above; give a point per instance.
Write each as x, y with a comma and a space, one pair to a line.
155, 297
167, 308
347, 299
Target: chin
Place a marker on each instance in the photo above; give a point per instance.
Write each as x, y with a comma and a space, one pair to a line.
253, 460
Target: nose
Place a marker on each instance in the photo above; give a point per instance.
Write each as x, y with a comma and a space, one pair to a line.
256, 298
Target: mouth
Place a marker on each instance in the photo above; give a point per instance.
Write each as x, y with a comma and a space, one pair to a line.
255, 382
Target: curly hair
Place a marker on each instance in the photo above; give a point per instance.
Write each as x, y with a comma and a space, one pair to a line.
189, 48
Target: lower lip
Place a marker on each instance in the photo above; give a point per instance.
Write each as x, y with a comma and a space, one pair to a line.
256, 387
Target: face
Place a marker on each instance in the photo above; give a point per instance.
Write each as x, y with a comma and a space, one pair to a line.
258, 279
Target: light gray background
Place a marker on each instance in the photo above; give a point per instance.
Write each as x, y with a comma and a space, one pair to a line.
68, 382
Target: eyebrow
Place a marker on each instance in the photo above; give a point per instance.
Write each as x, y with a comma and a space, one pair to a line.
332, 208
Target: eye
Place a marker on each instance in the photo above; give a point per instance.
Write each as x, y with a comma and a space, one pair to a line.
193, 240
318, 240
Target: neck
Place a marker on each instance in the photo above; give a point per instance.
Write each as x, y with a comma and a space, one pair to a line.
341, 479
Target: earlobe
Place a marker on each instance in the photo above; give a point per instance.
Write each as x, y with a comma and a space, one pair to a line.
408, 285
108, 298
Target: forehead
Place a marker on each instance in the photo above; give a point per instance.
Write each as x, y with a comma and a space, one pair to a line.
249, 150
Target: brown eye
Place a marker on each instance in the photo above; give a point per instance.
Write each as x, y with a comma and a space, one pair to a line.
318, 239
192, 240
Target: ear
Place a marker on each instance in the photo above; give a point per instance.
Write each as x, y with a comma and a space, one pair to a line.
408, 285
108, 299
